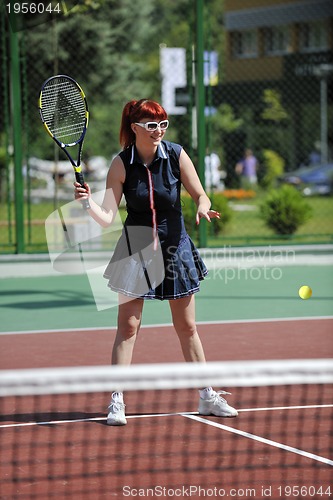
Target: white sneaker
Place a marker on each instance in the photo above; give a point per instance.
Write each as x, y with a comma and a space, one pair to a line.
116, 415
216, 405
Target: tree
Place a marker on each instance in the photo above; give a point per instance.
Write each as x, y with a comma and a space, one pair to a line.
104, 50
274, 110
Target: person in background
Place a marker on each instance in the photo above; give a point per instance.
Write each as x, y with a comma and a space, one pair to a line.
213, 174
248, 167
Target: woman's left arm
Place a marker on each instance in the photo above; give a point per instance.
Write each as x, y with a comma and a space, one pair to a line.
193, 186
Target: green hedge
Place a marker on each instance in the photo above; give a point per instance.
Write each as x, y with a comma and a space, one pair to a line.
284, 210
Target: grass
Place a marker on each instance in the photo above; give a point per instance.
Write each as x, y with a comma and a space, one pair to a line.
246, 226
34, 232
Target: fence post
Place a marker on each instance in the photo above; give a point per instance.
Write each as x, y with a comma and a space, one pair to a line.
200, 108
16, 112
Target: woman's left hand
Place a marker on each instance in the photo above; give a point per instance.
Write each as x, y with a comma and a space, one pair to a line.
207, 214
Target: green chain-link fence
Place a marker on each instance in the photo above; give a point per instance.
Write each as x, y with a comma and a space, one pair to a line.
233, 76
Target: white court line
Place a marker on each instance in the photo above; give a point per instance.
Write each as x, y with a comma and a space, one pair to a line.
167, 325
151, 415
194, 416
282, 446
93, 419
309, 407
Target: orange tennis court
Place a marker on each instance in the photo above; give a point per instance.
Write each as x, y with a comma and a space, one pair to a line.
65, 449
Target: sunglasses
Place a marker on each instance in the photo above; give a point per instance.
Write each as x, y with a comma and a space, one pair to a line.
152, 126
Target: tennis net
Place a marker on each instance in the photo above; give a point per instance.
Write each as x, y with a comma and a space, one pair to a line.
55, 441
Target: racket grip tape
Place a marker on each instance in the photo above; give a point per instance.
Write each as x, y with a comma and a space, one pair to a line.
80, 179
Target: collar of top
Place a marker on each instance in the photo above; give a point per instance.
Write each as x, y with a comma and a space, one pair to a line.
160, 153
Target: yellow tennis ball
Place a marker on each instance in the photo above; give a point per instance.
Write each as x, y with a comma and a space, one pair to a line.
305, 292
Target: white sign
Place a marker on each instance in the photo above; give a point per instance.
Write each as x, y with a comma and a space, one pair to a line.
173, 72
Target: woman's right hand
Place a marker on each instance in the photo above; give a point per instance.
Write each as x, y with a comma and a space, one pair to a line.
81, 192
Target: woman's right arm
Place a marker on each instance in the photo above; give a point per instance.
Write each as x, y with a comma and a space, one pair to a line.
105, 213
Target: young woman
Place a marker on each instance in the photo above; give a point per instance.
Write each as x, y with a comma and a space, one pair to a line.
149, 172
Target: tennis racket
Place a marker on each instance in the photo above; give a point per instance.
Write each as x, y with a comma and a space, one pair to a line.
64, 112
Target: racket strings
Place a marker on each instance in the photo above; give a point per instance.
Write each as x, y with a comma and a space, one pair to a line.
64, 110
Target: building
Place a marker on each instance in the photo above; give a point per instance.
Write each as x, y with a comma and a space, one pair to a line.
286, 45
262, 36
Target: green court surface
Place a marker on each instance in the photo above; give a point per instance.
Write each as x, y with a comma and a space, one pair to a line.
232, 291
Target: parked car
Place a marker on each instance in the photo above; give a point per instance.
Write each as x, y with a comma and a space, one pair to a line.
311, 180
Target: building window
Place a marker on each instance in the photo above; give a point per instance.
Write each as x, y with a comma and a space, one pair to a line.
313, 36
277, 40
244, 44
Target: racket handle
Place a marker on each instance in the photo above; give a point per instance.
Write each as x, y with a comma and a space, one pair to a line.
79, 178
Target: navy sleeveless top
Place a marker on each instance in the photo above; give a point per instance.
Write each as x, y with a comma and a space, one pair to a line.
154, 258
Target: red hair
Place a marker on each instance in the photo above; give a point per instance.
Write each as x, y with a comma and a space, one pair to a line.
135, 111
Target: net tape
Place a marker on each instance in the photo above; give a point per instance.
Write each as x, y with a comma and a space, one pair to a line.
165, 376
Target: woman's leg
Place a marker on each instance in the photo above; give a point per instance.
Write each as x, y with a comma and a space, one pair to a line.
129, 321
183, 317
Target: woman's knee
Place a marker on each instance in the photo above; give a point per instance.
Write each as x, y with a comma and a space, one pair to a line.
129, 319
185, 328
127, 332
183, 316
